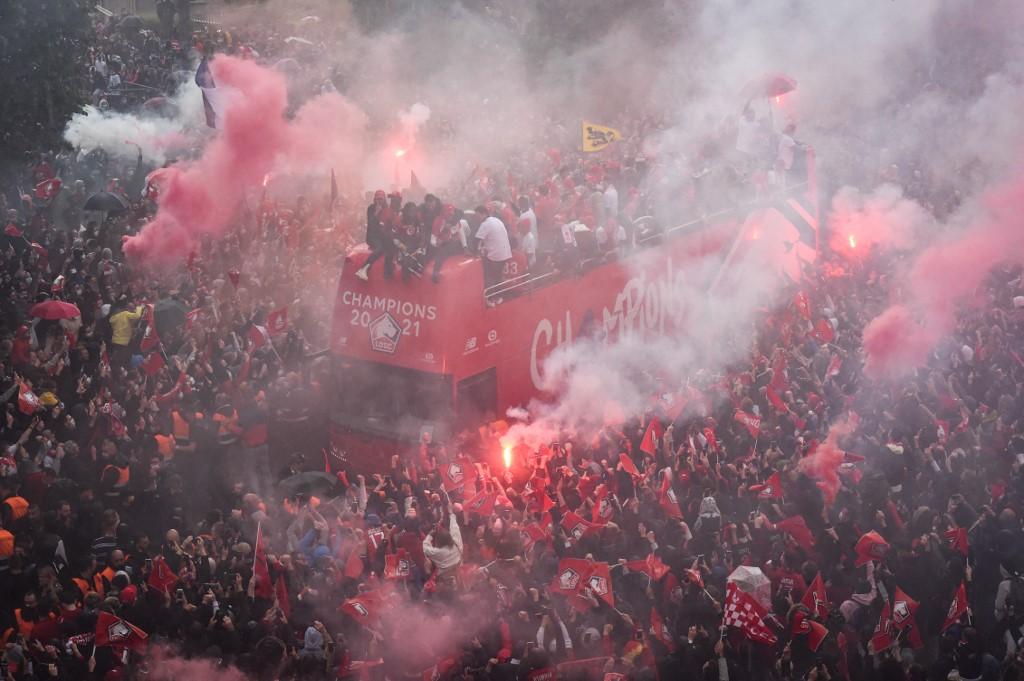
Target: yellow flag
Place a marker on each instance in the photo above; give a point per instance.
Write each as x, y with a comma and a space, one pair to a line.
597, 137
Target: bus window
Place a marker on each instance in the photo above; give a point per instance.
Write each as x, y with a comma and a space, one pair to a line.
385, 400
477, 398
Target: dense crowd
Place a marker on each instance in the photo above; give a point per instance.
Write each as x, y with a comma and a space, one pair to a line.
168, 490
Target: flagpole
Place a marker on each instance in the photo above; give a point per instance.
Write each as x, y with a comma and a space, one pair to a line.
256, 549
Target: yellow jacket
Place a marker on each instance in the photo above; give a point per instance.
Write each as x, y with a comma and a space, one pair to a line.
121, 323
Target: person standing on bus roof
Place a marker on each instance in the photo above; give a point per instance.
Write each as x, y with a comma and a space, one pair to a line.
381, 220
494, 246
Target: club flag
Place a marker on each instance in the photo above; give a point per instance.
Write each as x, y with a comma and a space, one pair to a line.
775, 399
652, 566
597, 137
397, 565
744, 612
364, 608
47, 189
751, 422
28, 401
957, 538
660, 631
870, 547
603, 508
211, 99
576, 527
161, 576
814, 631
482, 504
796, 527
803, 305
958, 608
904, 617
117, 633
882, 637
667, 497
277, 321
770, 489
694, 577
454, 476
649, 444
258, 336
261, 568
153, 362
823, 331
281, 594
628, 465
834, 365
150, 337
815, 598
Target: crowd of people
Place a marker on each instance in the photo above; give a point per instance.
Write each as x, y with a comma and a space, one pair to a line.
168, 491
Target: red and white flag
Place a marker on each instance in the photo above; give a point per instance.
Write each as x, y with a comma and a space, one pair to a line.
770, 489
47, 189
28, 401
277, 321
649, 444
258, 336
119, 634
833, 367
958, 608
261, 568
744, 612
750, 422
815, 598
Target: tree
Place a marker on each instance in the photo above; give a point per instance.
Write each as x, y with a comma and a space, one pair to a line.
44, 71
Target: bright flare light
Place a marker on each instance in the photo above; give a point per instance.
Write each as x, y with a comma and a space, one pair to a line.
506, 455
399, 153
266, 179
852, 240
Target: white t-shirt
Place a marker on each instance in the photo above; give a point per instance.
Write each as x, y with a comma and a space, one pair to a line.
787, 146
530, 217
493, 238
611, 200
530, 247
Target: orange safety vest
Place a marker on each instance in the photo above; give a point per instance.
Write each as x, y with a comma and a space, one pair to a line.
227, 427
6, 544
123, 475
24, 626
97, 585
18, 506
82, 585
165, 445
180, 427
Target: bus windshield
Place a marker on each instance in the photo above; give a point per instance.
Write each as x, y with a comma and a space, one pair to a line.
389, 401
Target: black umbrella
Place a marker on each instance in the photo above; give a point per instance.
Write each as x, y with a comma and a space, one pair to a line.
105, 202
130, 23
308, 482
169, 314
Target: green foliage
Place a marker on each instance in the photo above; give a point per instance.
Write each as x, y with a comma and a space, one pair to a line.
44, 71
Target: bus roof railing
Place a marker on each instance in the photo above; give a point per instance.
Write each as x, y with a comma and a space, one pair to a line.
524, 283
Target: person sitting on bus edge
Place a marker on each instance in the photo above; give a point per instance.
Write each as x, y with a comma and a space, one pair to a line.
381, 223
446, 238
493, 245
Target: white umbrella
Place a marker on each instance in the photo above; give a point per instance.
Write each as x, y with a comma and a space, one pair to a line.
296, 39
754, 582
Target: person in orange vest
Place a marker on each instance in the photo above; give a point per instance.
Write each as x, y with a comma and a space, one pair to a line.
15, 506
182, 420
25, 617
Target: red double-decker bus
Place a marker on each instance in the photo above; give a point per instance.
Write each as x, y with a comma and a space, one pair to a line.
415, 356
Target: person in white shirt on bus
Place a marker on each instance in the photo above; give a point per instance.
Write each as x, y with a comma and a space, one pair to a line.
493, 244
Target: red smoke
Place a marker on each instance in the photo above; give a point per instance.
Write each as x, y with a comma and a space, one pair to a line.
823, 463
944, 276
202, 197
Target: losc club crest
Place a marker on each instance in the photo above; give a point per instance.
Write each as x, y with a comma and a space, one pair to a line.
598, 584
385, 334
361, 609
455, 473
953, 609
577, 531
118, 631
568, 580
900, 612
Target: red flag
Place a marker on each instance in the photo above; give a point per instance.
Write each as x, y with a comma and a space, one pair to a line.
660, 631
161, 577
576, 528
958, 608
776, 401
650, 566
234, 276
823, 331
277, 321
751, 422
283, 601
649, 444
397, 565
599, 583
258, 336
804, 626
28, 401
261, 569
803, 305
770, 489
534, 533
815, 598
482, 504
150, 338
47, 189
153, 363
539, 502
364, 608
117, 633
628, 465
957, 538
603, 510
870, 547
572, 576
744, 612
796, 527
694, 577
673, 404
354, 564
833, 367
667, 497
192, 317
455, 475
882, 638
904, 609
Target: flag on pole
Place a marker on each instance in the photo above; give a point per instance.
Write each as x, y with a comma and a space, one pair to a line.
750, 422
957, 538
744, 612
204, 79
117, 633
649, 444
958, 608
770, 488
261, 568
815, 598
597, 137
161, 576
277, 321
